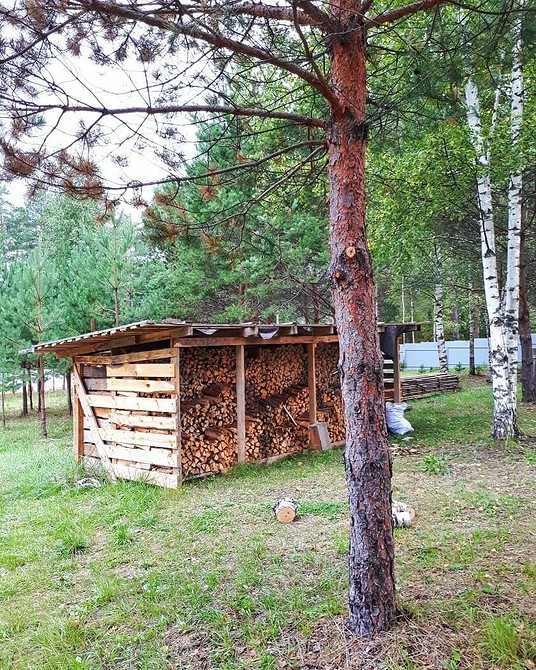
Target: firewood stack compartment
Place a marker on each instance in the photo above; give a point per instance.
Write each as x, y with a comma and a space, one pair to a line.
328, 390
277, 398
208, 410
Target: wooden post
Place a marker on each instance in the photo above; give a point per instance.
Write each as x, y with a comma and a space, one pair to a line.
241, 403
78, 427
397, 386
178, 428
311, 381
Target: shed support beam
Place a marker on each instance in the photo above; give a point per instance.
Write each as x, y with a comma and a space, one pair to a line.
241, 403
397, 384
311, 381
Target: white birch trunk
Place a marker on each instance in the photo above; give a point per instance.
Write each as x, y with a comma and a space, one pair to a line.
439, 330
511, 300
504, 413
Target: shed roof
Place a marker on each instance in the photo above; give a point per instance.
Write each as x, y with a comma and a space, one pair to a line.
204, 334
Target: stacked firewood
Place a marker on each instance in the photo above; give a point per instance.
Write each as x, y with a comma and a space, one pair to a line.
278, 424
327, 365
201, 367
418, 386
329, 399
208, 410
271, 369
276, 398
330, 411
208, 430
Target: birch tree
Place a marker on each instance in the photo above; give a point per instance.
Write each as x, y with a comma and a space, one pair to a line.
502, 301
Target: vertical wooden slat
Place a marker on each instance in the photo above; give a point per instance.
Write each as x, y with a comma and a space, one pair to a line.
311, 381
396, 373
178, 428
241, 403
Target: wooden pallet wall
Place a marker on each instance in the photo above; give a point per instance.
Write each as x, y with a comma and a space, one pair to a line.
130, 418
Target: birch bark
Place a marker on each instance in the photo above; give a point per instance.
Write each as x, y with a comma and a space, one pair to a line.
503, 310
511, 300
439, 328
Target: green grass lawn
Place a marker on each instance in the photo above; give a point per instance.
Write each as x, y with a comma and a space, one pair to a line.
130, 576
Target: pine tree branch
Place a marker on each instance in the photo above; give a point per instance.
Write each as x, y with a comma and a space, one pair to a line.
401, 12
204, 34
29, 108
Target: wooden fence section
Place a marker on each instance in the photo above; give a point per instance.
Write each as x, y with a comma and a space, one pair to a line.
130, 414
420, 386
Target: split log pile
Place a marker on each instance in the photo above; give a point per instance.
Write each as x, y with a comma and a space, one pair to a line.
208, 410
419, 386
328, 390
134, 414
277, 401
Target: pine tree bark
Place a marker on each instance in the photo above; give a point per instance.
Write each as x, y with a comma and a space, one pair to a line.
30, 388
42, 406
367, 457
24, 410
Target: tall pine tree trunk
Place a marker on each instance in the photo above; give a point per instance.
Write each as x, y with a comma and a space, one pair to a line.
42, 406
30, 388
24, 410
367, 457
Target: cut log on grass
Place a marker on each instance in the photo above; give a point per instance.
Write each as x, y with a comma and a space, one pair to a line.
286, 510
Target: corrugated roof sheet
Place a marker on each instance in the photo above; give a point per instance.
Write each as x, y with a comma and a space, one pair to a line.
174, 328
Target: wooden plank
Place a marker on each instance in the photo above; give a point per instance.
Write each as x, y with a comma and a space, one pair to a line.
141, 385
132, 357
241, 404
135, 370
73, 350
92, 422
163, 457
95, 371
168, 405
140, 439
167, 480
147, 421
252, 341
93, 384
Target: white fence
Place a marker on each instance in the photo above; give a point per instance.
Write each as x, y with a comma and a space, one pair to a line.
413, 356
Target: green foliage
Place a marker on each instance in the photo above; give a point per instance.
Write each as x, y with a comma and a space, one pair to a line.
434, 465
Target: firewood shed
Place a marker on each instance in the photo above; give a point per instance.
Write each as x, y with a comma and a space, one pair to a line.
169, 401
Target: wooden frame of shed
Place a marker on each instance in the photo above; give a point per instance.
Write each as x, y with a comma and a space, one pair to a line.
169, 401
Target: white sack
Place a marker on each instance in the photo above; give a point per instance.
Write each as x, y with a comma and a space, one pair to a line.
395, 418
